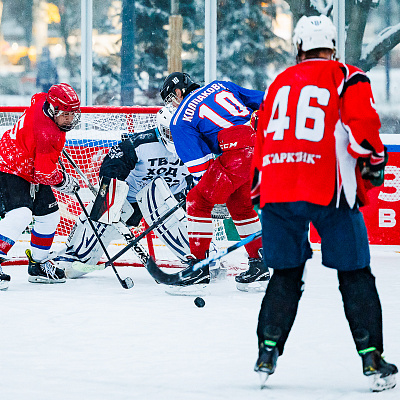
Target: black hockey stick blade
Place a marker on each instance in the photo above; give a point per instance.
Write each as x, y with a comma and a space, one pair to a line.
161, 276
184, 277
196, 271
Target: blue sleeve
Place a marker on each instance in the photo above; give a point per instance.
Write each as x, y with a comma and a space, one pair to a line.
189, 143
251, 98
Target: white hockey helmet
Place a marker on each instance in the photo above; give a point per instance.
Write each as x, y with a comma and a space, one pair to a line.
314, 32
163, 119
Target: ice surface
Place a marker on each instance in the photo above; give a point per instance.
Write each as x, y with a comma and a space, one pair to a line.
91, 339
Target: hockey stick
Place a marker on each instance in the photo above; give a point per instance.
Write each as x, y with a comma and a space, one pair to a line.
193, 272
80, 266
126, 283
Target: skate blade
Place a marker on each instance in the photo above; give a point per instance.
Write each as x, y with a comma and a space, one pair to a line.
263, 379
191, 290
42, 279
4, 285
378, 383
253, 287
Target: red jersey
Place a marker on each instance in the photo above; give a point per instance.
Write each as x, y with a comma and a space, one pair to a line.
316, 119
32, 147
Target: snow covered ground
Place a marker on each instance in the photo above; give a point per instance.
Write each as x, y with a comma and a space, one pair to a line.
91, 339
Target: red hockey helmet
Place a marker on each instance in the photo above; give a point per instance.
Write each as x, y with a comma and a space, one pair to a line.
63, 99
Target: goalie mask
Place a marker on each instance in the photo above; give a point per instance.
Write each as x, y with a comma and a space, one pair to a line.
163, 119
176, 80
63, 106
314, 33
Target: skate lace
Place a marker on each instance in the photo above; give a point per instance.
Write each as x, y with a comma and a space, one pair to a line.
50, 269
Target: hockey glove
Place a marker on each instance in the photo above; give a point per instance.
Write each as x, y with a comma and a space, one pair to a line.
375, 173
254, 120
69, 185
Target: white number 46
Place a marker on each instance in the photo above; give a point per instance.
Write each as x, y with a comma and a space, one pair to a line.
303, 112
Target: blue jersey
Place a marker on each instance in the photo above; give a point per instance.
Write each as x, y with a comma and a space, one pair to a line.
203, 113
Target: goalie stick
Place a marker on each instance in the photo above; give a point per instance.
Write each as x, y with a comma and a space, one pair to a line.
192, 272
126, 283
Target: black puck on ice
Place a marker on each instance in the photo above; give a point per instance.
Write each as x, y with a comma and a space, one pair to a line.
199, 302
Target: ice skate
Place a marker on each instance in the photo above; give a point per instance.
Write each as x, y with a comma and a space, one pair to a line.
381, 375
43, 272
266, 362
4, 278
255, 279
194, 284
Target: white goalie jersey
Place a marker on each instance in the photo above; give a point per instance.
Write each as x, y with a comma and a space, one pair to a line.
139, 159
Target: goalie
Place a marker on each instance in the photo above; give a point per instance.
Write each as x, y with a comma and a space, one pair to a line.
128, 167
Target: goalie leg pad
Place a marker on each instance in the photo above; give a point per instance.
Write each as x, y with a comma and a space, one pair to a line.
154, 201
82, 245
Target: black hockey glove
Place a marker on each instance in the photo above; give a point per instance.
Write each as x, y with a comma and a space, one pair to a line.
373, 172
69, 185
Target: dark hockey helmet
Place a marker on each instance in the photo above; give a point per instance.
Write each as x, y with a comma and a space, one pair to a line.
177, 80
62, 100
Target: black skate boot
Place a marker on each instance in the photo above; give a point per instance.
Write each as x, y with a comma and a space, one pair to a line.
268, 354
255, 278
43, 272
193, 283
4, 278
381, 374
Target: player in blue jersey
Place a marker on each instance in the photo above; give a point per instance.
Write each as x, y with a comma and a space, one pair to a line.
210, 121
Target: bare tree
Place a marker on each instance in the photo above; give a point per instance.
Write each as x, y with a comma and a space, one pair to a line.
357, 12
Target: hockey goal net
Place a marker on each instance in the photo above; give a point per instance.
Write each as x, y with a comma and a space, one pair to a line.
99, 129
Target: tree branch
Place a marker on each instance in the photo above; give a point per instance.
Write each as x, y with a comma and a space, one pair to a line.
386, 41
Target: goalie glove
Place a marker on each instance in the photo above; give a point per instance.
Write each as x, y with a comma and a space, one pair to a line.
373, 168
69, 185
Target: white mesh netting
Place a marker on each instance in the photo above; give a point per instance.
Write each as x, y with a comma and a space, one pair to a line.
88, 144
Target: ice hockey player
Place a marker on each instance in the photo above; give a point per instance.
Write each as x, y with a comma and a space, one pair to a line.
317, 120
210, 121
137, 160
29, 169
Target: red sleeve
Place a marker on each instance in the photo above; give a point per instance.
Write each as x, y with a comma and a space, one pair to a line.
49, 144
258, 151
359, 116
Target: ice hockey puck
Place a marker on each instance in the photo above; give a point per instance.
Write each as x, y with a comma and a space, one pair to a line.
199, 302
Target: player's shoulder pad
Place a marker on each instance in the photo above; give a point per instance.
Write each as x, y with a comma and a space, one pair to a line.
352, 76
351, 72
148, 136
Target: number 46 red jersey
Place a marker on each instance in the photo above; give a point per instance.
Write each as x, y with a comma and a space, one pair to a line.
316, 119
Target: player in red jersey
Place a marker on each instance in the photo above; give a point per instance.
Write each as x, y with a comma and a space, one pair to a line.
215, 120
29, 155
316, 121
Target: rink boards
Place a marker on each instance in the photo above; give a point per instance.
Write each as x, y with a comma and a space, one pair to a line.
382, 215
